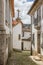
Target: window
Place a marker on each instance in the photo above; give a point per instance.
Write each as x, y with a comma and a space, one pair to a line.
39, 14
35, 18
33, 40
19, 36
6, 22
6, 41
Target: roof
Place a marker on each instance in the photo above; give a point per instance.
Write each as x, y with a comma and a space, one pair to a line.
26, 30
15, 22
26, 27
28, 39
19, 20
35, 6
12, 7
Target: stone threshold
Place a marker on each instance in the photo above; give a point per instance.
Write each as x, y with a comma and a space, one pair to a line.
37, 60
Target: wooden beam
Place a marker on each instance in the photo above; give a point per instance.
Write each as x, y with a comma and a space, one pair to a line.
12, 7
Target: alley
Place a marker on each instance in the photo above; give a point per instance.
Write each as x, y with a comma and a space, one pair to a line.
20, 58
21, 32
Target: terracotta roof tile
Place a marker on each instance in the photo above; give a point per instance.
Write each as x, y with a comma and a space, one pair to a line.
12, 7
14, 22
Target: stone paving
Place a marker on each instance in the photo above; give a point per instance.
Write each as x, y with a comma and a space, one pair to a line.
20, 58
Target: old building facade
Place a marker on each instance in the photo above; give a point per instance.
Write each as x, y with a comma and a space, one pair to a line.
26, 37
36, 13
17, 34
21, 35
6, 14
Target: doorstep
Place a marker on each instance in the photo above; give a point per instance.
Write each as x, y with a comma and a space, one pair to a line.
37, 60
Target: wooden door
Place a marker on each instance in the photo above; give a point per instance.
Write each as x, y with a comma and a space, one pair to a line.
22, 45
38, 42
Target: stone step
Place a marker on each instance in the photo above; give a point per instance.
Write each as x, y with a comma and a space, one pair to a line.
37, 58
41, 56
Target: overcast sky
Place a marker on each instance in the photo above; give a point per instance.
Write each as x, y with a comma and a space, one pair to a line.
23, 6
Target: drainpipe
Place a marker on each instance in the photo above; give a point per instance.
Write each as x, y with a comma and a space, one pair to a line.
31, 35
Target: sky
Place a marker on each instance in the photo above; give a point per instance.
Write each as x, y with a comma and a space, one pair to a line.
23, 6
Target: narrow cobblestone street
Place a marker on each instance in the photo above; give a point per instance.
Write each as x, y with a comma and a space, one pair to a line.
20, 58
21, 32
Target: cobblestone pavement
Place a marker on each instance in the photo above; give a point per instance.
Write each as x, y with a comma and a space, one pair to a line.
20, 58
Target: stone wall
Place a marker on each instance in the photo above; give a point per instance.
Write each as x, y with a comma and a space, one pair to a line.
2, 47
5, 37
4, 41
1, 14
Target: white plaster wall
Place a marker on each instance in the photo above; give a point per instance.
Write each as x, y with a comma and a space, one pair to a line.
34, 31
1, 12
41, 29
42, 35
7, 29
26, 35
35, 40
26, 45
6, 54
41, 51
10, 23
33, 47
6, 15
16, 31
11, 33
41, 43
